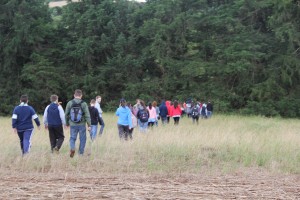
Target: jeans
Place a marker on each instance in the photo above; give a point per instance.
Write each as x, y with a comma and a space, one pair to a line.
74, 130
164, 120
143, 126
209, 114
93, 132
25, 140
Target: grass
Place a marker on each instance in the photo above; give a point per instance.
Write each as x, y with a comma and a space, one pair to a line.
221, 143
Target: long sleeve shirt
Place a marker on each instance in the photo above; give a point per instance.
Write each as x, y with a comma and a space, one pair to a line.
86, 113
124, 115
54, 115
22, 117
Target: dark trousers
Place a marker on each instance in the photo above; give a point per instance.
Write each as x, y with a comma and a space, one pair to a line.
196, 119
25, 140
101, 122
176, 120
123, 131
130, 133
56, 135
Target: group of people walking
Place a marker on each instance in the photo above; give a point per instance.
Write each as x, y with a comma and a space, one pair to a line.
81, 117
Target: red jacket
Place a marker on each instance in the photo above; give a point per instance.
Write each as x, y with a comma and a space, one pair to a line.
175, 111
168, 104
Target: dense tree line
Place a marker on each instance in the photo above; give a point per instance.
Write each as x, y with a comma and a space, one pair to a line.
244, 55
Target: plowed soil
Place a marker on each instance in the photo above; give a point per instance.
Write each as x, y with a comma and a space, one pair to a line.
243, 184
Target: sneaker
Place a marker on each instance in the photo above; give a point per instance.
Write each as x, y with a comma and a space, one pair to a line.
56, 150
72, 152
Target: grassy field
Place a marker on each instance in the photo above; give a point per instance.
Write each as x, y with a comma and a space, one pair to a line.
222, 143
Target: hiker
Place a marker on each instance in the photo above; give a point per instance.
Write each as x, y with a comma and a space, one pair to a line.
22, 123
195, 112
163, 112
152, 115
169, 105
54, 120
143, 116
154, 104
175, 112
133, 119
136, 107
203, 111
98, 107
77, 116
124, 120
95, 118
209, 109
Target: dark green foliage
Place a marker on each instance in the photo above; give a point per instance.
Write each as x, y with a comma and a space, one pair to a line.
243, 55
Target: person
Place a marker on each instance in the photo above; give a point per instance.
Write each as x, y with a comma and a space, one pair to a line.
133, 119
195, 112
209, 109
22, 123
77, 116
143, 116
169, 105
189, 107
175, 112
152, 115
98, 107
203, 111
163, 112
54, 120
124, 120
136, 107
95, 118
154, 104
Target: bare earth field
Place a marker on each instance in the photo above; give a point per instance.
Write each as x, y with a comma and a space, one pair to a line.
244, 184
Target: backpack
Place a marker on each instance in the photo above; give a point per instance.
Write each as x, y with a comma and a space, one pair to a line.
143, 115
76, 112
195, 112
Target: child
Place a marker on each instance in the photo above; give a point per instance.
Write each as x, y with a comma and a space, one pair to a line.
95, 118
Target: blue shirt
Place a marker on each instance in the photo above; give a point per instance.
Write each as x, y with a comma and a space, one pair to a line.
124, 115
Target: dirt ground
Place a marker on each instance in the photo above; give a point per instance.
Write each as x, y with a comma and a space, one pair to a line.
243, 184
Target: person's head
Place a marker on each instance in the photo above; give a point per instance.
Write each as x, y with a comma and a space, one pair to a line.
54, 98
92, 102
154, 103
143, 104
138, 101
98, 99
123, 102
78, 94
175, 104
150, 105
24, 98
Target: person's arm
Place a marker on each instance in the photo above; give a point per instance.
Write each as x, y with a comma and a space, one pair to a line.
14, 120
45, 117
67, 113
35, 117
62, 115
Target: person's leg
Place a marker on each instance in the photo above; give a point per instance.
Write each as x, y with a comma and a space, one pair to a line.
60, 136
52, 137
121, 131
27, 141
93, 132
101, 126
130, 133
126, 132
73, 137
21, 136
82, 138
197, 120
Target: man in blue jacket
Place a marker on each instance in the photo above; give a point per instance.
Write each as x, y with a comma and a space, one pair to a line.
163, 112
54, 119
22, 123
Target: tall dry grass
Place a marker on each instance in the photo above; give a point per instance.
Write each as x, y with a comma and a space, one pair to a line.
221, 143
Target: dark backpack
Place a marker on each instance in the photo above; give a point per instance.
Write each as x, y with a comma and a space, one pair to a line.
195, 112
143, 115
76, 112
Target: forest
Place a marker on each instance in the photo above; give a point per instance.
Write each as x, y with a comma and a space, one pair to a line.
243, 55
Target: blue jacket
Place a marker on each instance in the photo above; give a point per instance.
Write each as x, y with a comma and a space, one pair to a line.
54, 115
22, 117
163, 110
124, 115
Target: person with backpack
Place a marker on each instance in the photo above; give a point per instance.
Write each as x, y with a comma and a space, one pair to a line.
95, 118
22, 117
176, 112
124, 120
203, 111
163, 112
195, 112
54, 120
143, 116
101, 121
77, 116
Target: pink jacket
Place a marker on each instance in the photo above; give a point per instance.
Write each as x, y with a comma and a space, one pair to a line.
152, 113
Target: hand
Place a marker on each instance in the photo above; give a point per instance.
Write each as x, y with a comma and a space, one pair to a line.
65, 126
89, 128
39, 127
15, 130
46, 126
